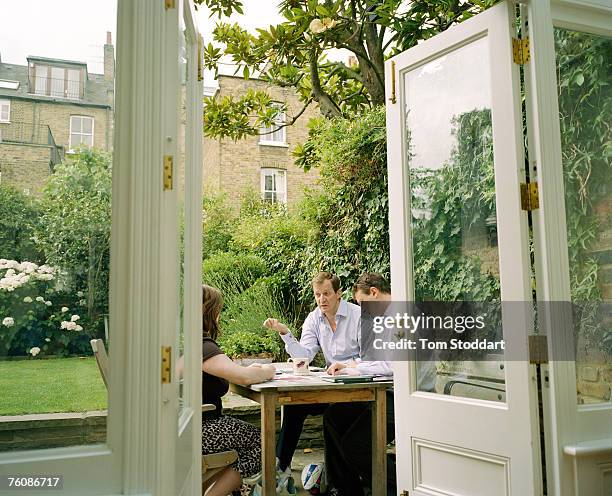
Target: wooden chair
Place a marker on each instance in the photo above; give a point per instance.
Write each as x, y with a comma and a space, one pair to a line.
211, 464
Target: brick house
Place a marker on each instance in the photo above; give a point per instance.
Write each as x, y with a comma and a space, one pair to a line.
47, 108
261, 163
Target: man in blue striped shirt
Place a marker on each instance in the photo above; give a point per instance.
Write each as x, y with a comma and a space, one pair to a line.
333, 328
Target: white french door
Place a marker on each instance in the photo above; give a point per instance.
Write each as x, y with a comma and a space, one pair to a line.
577, 410
153, 430
454, 108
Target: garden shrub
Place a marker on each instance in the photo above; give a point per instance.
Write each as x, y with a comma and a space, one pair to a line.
18, 216
36, 317
217, 224
74, 229
232, 272
242, 318
350, 211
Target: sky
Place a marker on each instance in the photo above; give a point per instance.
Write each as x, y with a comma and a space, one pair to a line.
76, 29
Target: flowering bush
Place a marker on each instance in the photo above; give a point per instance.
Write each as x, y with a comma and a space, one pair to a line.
36, 317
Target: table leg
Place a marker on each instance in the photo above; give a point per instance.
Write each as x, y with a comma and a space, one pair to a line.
379, 443
268, 442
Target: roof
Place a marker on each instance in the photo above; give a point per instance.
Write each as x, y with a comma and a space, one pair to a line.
96, 88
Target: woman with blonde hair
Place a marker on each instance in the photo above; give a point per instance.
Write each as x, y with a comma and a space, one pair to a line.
221, 432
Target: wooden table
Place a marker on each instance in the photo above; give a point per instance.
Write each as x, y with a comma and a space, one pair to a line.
312, 389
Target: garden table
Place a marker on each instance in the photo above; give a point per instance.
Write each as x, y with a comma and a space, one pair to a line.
288, 389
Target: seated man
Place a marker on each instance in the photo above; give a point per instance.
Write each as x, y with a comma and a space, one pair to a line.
333, 327
348, 447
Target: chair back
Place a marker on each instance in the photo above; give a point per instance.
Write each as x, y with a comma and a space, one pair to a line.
97, 345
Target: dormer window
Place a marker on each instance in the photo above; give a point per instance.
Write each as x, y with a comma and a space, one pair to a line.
57, 82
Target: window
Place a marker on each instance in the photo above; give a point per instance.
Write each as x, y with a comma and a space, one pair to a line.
81, 131
5, 111
274, 135
58, 82
274, 185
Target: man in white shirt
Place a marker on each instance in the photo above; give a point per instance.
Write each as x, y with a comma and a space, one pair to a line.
333, 328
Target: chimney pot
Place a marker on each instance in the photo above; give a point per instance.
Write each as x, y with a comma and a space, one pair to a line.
109, 38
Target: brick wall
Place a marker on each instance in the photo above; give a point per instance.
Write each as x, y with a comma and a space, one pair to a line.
57, 117
26, 167
234, 167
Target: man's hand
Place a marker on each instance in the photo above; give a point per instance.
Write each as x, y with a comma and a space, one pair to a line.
335, 368
275, 325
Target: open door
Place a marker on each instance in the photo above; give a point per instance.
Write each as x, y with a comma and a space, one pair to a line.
153, 442
456, 161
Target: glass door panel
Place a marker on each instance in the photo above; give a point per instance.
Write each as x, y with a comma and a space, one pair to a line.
584, 71
449, 141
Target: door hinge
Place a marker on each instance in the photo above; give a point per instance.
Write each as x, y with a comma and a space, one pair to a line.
404, 493
520, 50
538, 349
166, 357
168, 168
392, 99
530, 196
170, 4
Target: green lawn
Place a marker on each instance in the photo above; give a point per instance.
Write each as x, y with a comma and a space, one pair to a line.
45, 386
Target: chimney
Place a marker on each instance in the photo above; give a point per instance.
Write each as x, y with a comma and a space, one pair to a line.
109, 58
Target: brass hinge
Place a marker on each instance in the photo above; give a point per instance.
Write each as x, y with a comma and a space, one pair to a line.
405, 493
168, 168
200, 68
538, 349
393, 99
166, 357
520, 50
530, 197
170, 4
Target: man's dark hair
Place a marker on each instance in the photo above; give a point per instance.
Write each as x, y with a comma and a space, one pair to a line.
321, 277
369, 280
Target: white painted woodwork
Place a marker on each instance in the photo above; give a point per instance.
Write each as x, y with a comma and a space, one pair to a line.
465, 437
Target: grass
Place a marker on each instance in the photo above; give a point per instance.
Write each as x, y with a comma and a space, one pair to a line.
49, 386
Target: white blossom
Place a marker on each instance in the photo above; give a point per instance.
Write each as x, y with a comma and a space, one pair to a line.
78, 328
8, 321
27, 267
70, 326
34, 351
316, 26
40, 298
74, 318
80, 294
64, 309
27, 299
48, 303
82, 302
48, 340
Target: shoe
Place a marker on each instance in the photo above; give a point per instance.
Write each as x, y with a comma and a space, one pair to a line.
285, 485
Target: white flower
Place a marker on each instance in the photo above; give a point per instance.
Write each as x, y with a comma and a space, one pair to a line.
316, 26
328, 23
80, 294
27, 267
27, 299
44, 277
48, 303
40, 298
74, 318
78, 328
8, 321
46, 269
34, 351
70, 326
65, 309
82, 302
48, 340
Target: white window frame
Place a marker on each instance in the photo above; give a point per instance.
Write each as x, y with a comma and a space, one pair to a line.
279, 191
72, 145
269, 136
5, 104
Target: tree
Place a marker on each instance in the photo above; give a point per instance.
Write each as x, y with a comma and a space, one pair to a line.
74, 230
293, 54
